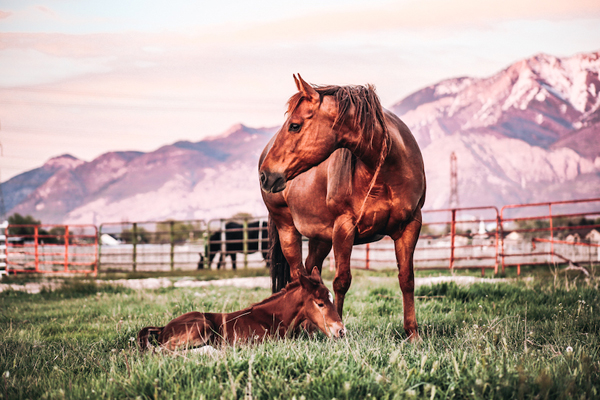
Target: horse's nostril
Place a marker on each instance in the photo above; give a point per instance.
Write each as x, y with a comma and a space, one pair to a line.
263, 178
341, 333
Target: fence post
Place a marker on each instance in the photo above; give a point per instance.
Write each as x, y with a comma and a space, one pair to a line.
223, 237
134, 243
35, 244
551, 231
97, 261
452, 235
66, 248
245, 241
207, 247
99, 244
497, 238
172, 241
367, 256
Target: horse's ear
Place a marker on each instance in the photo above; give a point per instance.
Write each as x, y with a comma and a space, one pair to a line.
306, 89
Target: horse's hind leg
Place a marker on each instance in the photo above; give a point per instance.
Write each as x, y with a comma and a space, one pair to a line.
405, 247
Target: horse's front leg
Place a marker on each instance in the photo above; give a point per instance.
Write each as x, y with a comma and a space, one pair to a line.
291, 246
405, 247
317, 252
343, 240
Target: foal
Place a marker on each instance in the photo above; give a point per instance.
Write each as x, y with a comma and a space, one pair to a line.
303, 302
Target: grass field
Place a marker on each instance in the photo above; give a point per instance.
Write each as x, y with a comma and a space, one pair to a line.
532, 338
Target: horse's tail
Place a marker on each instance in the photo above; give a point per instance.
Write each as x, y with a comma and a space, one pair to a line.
280, 269
148, 336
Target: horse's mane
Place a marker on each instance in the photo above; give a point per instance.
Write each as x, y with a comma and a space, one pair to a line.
368, 117
368, 112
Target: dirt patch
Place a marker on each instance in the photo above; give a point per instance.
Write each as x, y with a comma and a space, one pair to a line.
150, 283
247, 283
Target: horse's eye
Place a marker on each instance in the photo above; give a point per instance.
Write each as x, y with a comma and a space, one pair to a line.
294, 127
321, 304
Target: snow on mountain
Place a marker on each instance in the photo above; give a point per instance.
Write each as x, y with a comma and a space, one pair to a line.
499, 171
531, 127
538, 100
526, 134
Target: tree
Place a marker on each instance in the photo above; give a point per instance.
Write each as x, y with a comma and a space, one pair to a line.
18, 219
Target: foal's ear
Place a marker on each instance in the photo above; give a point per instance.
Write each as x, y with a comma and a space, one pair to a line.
306, 282
315, 274
306, 89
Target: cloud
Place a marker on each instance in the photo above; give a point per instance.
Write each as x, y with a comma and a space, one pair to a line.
46, 10
424, 14
5, 14
20, 67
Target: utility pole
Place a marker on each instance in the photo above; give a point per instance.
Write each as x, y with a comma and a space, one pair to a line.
453, 201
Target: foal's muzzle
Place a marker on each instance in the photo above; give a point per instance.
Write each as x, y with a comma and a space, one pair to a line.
338, 331
272, 182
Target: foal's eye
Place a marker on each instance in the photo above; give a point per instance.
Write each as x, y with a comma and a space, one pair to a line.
294, 127
321, 304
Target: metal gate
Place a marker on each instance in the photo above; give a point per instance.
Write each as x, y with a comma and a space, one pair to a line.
51, 249
552, 232
151, 245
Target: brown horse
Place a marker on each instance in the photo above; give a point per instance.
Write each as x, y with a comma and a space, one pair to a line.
305, 302
343, 171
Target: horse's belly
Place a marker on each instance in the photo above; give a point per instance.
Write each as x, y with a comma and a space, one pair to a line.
306, 198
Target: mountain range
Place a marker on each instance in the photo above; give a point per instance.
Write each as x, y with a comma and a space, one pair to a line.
529, 133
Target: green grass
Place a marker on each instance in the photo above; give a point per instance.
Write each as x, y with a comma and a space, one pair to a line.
525, 339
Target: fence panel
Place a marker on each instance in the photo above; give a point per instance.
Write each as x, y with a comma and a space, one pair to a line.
51, 249
151, 245
464, 238
552, 232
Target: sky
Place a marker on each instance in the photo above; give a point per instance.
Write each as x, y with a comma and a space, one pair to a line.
88, 77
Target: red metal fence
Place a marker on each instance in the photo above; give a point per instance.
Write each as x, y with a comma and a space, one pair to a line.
485, 238
544, 233
461, 238
51, 249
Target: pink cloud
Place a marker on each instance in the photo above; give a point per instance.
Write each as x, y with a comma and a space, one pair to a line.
5, 14
46, 10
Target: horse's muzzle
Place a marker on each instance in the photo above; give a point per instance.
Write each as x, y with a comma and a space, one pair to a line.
272, 182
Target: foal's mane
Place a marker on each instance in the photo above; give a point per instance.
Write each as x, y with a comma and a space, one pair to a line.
289, 287
368, 113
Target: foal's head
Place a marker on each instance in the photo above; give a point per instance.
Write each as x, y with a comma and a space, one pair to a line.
318, 305
319, 120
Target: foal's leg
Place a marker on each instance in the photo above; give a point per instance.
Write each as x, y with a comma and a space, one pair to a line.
317, 252
405, 247
343, 239
186, 331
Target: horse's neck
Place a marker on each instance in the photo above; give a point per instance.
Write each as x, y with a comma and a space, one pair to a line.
371, 152
283, 309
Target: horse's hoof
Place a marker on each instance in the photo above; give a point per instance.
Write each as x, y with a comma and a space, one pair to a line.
414, 338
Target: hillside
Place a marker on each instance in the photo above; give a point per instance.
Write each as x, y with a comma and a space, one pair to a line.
528, 133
